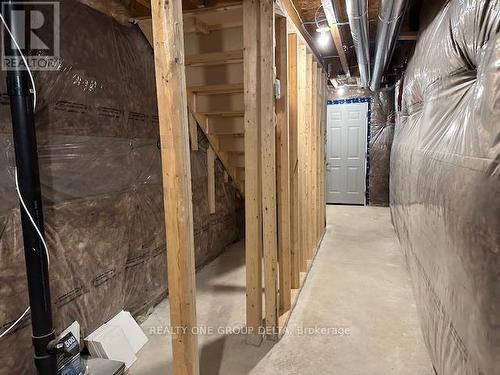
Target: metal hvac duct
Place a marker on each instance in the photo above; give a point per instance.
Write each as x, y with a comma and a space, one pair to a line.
357, 11
390, 17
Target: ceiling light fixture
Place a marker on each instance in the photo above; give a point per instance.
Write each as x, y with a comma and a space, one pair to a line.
323, 38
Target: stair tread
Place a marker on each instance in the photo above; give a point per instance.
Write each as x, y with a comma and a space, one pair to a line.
223, 114
236, 135
227, 88
215, 58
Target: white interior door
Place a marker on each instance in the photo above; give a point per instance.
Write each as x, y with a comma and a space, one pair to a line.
346, 153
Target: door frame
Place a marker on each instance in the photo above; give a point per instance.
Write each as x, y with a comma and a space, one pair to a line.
369, 100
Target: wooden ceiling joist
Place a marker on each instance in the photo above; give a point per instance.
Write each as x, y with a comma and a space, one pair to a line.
290, 9
337, 40
332, 18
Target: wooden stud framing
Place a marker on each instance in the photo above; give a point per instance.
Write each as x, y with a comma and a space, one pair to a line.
253, 215
318, 154
293, 138
314, 151
307, 160
322, 159
274, 147
283, 165
302, 151
323, 155
176, 168
268, 162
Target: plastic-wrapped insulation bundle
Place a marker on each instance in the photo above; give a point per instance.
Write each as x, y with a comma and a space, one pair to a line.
445, 185
381, 135
100, 170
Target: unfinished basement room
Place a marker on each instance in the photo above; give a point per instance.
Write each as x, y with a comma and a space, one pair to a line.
264, 187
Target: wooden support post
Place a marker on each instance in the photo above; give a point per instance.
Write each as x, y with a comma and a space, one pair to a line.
268, 155
307, 167
172, 109
211, 179
302, 151
324, 142
319, 111
253, 216
314, 151
323, 154
321, 169
283, 165
293, 138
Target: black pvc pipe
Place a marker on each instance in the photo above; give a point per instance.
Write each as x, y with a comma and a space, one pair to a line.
26, 153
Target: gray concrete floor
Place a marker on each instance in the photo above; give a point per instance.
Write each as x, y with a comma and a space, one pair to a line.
358, 283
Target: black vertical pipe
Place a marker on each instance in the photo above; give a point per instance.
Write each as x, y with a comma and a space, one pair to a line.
25, 145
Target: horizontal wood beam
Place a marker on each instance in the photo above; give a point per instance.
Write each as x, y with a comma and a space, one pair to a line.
337, 6
339, 46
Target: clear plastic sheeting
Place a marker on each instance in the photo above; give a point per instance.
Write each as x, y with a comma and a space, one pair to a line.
445, 185
100, 171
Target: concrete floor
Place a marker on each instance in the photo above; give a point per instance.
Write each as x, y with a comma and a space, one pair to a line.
358, 283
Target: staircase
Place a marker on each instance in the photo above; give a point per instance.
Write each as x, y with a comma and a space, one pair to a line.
213, 41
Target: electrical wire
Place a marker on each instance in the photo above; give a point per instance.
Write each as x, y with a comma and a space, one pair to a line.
33, 91
15, 323
31, 218
316, 16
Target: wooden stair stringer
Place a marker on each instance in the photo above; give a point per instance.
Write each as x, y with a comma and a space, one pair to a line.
202, 124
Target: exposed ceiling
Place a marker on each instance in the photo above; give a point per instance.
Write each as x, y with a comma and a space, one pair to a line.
312, 14
418, 13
